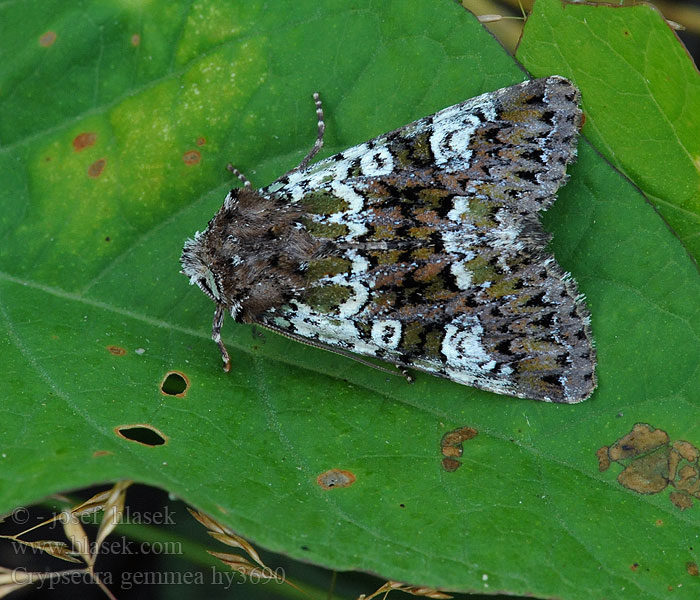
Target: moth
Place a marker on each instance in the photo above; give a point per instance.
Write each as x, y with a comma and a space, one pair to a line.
421, 247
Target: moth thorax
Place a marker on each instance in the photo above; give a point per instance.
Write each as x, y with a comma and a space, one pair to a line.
263, 250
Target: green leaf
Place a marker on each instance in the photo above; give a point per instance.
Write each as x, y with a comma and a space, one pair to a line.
641, 97
123, 117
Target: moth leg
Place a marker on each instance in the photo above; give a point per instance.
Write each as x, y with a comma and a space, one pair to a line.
216, 336
319, 140
407, 376
238, 174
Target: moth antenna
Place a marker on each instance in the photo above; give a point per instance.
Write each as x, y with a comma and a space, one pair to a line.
238, 174
319, 140
216, 336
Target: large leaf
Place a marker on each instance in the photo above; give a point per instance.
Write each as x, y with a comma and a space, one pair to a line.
642, 98
118, 122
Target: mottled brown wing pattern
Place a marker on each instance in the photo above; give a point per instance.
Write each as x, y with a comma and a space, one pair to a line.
422, 247
441, 265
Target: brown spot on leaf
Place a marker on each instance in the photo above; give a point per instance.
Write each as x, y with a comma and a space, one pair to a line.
659, 522
96, 168
47, 39
681, 500
98, 453
652, 463
686, 450
175, 383
692, 569
135, 39
634, 566
191, 157
452, 451
335, 478
451, 446
450, 464
201, 141
603, 459
647, 474
116, 350
688, 472
690, 485
641, 439
84, 140
674, 460
457, 436
141, 433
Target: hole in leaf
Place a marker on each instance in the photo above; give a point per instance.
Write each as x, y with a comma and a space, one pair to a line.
175, 384
335, 478
146, 435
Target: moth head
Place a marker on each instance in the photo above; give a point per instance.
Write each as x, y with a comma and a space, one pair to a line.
204, 263
198, 268
250, 258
